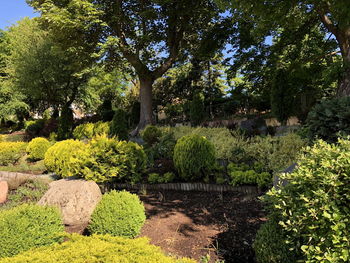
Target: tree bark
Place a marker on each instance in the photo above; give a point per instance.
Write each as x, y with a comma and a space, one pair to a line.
344, 82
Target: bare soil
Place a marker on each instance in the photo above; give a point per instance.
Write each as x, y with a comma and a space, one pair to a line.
197, 224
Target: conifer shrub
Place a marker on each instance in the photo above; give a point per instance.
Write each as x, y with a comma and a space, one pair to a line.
106, 159
118, 214
28, 226
57, 157
11, 152
97, 249
151, 135
194, 157
119, 125
37, 148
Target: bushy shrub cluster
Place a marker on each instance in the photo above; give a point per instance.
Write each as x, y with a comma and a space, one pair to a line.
194, 157
57, 157
11, 152
118, 214
37, 148
329, 119
243, 174
96, 249
155, 178
90, 130
313, 209
151, 135
28, 226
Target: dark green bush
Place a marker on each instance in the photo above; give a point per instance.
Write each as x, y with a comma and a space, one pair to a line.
37, 148
329, 119
197, 113
151, 135
270, 245
194, 157
28, 226
65, 123
106, 159
313, 209
97, 249
57, 157
118, 214
34, 127
119, 125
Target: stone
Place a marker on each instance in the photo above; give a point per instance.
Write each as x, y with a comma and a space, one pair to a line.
4, 189
76, 199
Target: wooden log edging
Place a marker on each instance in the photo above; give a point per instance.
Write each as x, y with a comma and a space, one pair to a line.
199, 187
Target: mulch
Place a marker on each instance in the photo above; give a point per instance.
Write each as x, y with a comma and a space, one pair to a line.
197, 224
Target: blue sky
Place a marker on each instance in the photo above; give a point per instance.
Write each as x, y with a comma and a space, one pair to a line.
12, 11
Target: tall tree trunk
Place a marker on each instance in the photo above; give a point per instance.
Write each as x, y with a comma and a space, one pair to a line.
146, 109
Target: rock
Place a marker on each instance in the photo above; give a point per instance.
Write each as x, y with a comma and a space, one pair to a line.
4, 189
76, 200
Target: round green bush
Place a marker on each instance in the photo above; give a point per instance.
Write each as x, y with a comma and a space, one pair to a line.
118, 214
57, 157
194, 157
28, 226
329, 119
97, 249
37, 148
270, 245
151, 135
106, 159
313, 209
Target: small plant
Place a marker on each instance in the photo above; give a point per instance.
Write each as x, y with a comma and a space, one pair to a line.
37, 148
118, 214
151, 135
243, 174
155, 178
28, 226
194, 157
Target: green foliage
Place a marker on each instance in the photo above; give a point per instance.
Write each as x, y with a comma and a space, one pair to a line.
151, 135
65, 123
30, 192
58, 156
197, 109
270, 245
243, 174
90, 130
118, 214
37, 148
329, 119
163, 149
34, 127
155, 178
97, 249
28, 226
313, 209
106, 159
119, 125
194, 157
11, 152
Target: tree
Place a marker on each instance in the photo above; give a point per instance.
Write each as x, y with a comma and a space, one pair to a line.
298, 17
150, 35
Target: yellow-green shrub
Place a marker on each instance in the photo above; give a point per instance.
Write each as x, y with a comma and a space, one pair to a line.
28, 226
58, 156
106, 159
97, 249
11, 152
90, 130
194, 157
118, 214
37, 148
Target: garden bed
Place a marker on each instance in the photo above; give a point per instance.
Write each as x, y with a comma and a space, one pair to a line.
197, 224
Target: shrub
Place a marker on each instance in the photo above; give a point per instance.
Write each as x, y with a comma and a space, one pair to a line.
11, 152
155, 178
197, 112
97, 249
163, 149
313, 209
34, 127
37, 148
90, 130
194, 157
28, 226
243, 174
58, 156
151, 135
329, 119
105, 160
118, 214
65, 123
270, 245
119, 125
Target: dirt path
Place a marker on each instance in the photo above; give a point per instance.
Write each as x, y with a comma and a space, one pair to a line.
197, 224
